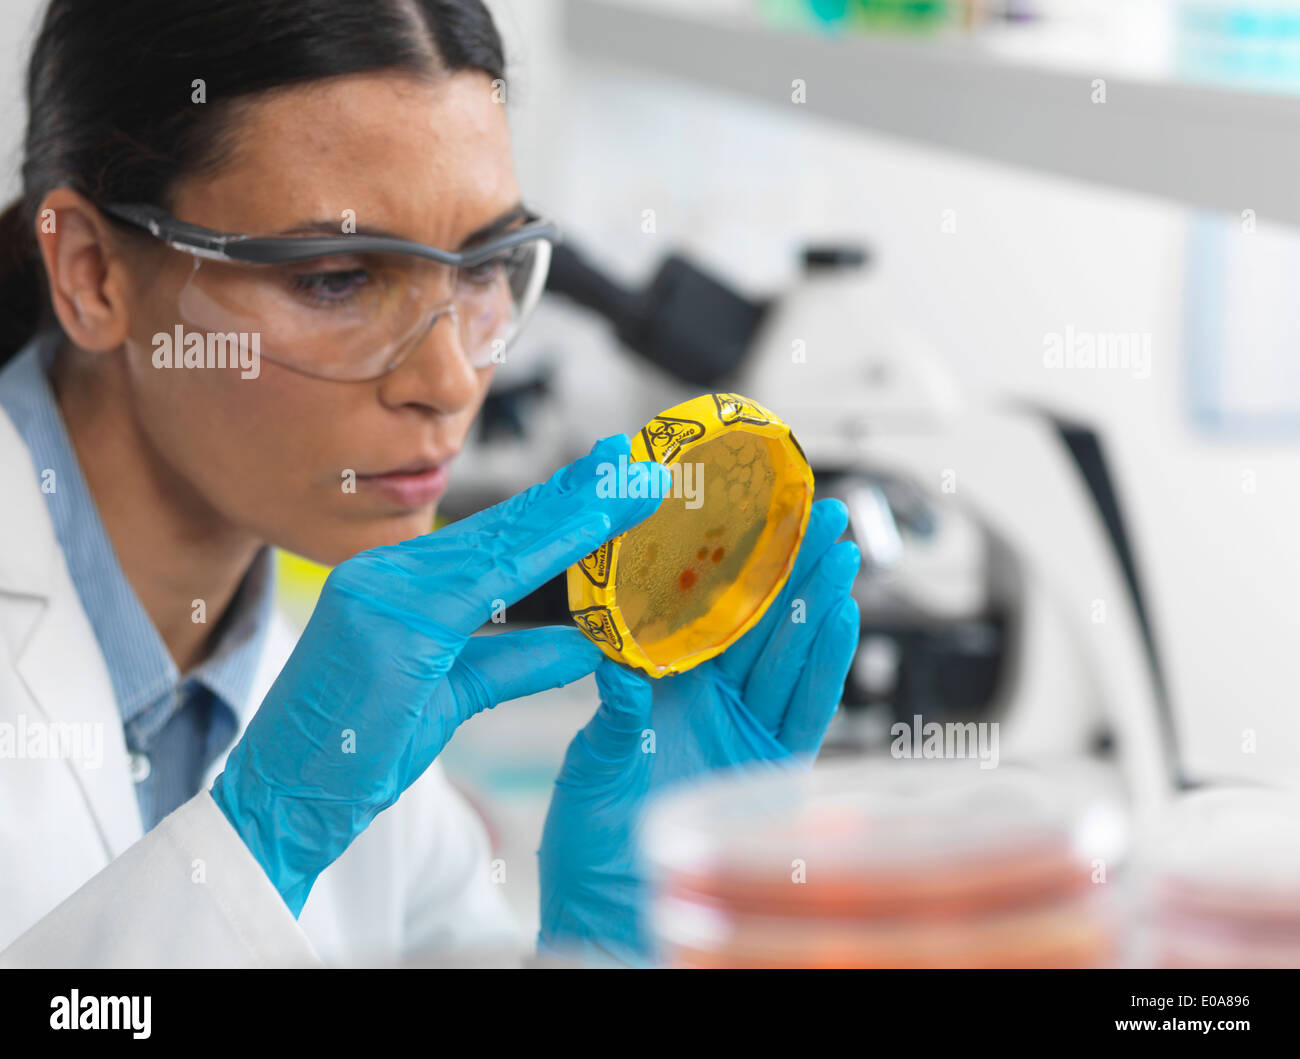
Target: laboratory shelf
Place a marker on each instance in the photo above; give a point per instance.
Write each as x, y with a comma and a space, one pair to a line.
1203, 145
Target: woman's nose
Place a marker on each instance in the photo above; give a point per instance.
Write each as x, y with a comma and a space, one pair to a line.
436, 373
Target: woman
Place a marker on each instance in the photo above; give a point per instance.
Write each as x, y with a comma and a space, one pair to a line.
179, 399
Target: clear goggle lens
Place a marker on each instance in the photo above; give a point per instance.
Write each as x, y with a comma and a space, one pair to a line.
358, 316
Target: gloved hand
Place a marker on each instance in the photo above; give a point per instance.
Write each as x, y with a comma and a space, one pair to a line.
386, 668
769, 698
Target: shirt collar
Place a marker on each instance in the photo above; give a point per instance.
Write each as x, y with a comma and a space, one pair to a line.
140, 668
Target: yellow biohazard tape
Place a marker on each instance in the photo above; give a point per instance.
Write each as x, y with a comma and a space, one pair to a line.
701, 571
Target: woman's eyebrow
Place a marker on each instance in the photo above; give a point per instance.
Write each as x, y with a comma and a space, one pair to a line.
332, 227
514, 213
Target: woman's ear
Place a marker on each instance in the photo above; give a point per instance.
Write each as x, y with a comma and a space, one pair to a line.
87, 277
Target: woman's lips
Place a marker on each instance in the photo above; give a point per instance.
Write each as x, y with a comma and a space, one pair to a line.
409, 489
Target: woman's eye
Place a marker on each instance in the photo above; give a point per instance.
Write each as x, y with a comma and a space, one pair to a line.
495, 269
328, 287
486, 273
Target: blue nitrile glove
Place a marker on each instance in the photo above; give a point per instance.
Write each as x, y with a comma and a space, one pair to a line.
768, 698
386, 668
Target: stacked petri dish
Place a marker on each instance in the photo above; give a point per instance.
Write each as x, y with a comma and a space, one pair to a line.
1220, 882
877, 863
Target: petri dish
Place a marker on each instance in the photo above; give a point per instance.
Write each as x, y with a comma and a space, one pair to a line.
701, 571
872, 862
1221, 881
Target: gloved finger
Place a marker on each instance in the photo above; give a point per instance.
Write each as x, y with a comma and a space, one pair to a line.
821, 687
510, 665
567, 481
587, 487
777, 670
447, 583
614, 734
826, 522
538, 534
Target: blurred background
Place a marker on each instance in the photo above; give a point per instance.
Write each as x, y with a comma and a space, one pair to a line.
1021, 276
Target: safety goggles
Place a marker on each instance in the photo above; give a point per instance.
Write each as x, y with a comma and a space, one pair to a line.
352, 307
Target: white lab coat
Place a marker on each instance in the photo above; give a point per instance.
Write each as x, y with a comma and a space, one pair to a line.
81, 887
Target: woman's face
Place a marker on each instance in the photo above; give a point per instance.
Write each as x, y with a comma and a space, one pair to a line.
296, 460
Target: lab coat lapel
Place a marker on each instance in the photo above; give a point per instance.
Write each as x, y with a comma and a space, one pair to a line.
54, 648
58, 657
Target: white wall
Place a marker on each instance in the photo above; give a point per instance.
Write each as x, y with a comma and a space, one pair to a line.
739, 186
18, 24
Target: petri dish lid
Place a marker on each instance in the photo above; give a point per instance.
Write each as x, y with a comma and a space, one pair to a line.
871, 836
1233, 850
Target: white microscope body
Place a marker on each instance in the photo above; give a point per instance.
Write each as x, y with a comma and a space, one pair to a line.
862, 395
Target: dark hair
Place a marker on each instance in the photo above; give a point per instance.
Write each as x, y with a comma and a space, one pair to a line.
109, 90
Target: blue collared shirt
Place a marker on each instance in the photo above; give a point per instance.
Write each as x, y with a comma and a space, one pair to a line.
175, 726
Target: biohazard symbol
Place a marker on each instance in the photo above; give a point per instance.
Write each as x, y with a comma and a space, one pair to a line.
665, 436
599, 626
732, 408
596, 565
